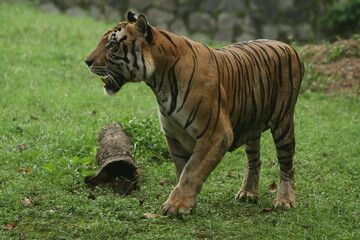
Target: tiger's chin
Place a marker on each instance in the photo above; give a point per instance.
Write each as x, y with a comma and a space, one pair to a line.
112, 85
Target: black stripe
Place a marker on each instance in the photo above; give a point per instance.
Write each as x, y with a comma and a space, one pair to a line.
279, 117
262, 88
173, 87
189, 84
144, 65
256, 166
251, 151
284, 133
300, 63
162, 47
162, 77
125, 58
253, 139
285, 147
125, 50
133, 52
281, 159
173, 53
170, 138
210, 51
219, 94
180, 156
168, 37
206, 127
279, 64
164, 114
236, 78
190, 46
244, 97
254, 111
274, 94
154, 82
192, 115
123, 38
268, 73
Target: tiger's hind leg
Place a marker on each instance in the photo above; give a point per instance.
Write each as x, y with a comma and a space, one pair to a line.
284, 139
249, 188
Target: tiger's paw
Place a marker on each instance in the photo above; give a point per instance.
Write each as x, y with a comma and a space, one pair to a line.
178, 204
250, 196
283, 204
285, 198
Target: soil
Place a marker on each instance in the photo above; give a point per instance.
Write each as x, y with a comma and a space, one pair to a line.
338, 63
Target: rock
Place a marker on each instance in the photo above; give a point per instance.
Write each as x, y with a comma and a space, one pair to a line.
178, 27
306, 4
209, 5
140, 5
185, 9
50, 8
285, 4
111, 14
65, 4
224, 35
227, 20
247, 24
118, 4
75, 12
184, 1
201, 22
256, 22
159, 18
245, 37
231, 5
95, 12
294, 15
286, 30
200, 37
303, 31
169, 5
270, 32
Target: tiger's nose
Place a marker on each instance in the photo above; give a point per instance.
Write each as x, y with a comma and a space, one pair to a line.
89, 62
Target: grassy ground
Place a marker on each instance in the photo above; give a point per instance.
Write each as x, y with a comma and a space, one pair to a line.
51, 110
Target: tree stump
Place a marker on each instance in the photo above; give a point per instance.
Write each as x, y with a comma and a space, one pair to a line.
118, 169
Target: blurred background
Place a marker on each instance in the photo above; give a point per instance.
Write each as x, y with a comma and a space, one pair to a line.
228, 20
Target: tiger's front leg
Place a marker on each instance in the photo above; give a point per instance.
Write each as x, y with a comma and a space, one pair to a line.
178, 154
207, 154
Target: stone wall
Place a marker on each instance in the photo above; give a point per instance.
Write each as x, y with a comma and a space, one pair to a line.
217, 20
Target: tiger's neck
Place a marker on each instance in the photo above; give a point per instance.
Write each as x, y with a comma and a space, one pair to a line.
174, 58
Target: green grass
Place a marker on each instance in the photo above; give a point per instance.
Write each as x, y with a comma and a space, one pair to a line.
50, 102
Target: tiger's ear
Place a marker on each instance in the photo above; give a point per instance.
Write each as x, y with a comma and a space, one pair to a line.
144, 28
131, 17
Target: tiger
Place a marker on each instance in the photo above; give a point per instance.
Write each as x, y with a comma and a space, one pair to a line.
210, 102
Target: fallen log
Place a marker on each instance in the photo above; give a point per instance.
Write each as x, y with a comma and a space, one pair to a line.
118, 169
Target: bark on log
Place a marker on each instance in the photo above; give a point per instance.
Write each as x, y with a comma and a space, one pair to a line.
118, 169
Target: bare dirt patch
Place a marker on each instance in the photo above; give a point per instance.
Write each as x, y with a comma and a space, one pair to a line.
334, 68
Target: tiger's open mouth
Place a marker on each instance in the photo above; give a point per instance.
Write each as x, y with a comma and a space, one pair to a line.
113, 84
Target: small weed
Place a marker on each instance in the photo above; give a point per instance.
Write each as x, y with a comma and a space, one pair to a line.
335, 53
313, 80
147, 138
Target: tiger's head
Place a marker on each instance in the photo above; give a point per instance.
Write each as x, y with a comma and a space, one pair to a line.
123, 54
